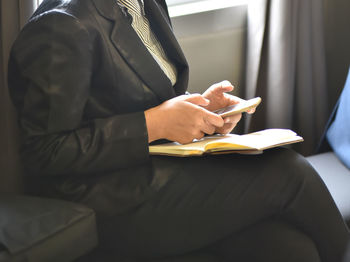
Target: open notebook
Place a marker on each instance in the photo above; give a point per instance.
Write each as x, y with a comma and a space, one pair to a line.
253, 143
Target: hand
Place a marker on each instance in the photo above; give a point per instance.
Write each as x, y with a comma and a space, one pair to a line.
218, 98
182, 119
216, 94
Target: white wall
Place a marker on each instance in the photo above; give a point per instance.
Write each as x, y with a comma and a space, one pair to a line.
214, 45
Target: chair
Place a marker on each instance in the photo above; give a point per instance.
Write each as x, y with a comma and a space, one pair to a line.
333, 164
44, 230
36, 229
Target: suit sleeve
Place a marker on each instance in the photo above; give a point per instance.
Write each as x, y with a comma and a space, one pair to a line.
50, 73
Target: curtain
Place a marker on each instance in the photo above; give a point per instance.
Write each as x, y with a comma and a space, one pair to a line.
337, 24
286, 67
13, 15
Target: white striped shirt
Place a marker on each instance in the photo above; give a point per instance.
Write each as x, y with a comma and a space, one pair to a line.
142, 27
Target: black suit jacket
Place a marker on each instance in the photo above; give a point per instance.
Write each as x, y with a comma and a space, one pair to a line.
81, 80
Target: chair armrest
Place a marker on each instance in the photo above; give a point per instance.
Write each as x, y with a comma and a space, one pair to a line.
336, 176
38, 229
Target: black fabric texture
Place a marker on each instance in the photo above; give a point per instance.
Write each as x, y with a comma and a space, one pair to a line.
37, 229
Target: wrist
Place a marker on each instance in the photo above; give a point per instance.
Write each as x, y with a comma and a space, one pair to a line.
153, 124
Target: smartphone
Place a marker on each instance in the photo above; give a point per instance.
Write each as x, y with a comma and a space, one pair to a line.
242, 106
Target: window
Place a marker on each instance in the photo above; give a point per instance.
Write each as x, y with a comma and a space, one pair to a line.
186, 7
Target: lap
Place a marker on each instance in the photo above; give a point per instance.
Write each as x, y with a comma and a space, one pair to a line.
206, 200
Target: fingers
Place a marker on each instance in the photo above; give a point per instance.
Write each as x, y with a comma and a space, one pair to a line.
226, 86
199, 135
251, 111
229, 124
208, 129
210, 122
197, 102
197, 99
226, 129
213, 119
233, 119
223, 87
232, 100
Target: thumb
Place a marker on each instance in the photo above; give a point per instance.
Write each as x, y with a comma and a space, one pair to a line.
197, 99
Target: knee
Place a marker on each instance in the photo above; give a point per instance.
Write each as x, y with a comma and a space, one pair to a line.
282, 242
286, 174
270, 241
289, 165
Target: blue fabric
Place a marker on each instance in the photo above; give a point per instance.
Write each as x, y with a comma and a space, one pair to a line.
338, 134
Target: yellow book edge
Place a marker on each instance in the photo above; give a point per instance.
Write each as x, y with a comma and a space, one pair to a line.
252, 143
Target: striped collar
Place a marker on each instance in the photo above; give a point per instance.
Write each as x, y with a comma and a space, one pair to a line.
135, 5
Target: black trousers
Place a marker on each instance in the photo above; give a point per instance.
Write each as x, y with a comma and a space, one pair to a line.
269, 207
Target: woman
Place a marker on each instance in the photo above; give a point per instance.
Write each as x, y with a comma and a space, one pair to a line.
96, 81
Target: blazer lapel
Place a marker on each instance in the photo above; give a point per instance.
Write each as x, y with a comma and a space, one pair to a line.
129, 45
161, 26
